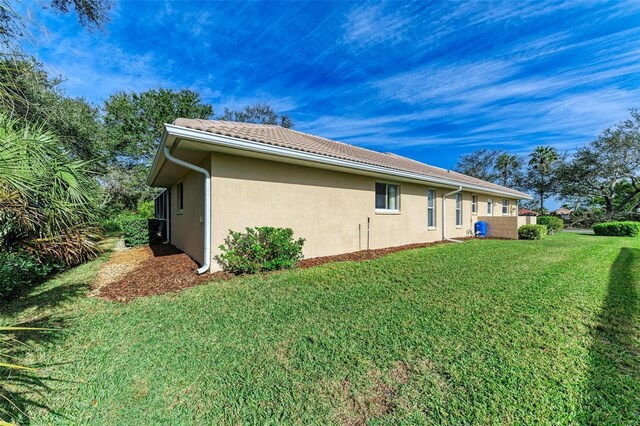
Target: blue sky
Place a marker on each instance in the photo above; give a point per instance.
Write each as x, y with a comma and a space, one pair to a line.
429, 80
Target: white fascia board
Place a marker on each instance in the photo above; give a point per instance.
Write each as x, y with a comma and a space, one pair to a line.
177, 132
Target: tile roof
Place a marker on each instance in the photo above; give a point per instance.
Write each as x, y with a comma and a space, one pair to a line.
293, 139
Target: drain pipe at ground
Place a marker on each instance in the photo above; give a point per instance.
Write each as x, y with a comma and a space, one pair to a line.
207, 206
444, 216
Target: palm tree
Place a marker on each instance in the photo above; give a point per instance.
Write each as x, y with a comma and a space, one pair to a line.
506, 164
541, 159
47, 202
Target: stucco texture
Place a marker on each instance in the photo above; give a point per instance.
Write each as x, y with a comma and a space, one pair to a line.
329, 209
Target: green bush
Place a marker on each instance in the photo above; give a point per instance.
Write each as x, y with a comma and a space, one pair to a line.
617, 229
135, 231
260, 249
146, 209
532, 232
19, 269
553, 224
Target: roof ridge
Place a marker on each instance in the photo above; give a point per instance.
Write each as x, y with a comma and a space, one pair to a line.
273, 134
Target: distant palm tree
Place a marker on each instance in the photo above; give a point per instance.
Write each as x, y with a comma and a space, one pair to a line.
506, 164
541, 159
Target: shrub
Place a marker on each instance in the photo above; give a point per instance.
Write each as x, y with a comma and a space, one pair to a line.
553, 224
617, 229
111, 224
260, 249
17, 270
532, 232
146, 209
135, 231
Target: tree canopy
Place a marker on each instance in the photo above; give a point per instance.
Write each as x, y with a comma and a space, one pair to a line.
493, 165
608, 169
258, 113
91, 14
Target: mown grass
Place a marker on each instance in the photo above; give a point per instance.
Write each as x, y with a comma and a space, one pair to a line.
500, 332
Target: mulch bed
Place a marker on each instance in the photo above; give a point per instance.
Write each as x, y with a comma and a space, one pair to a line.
166, 269
361, 255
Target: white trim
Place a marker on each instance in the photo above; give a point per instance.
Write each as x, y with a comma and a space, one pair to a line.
444, 215
435, 219
172, 132
207, 205
387, 210
474, 213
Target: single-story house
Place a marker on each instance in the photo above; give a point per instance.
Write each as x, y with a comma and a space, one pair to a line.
564, 214
222, 176
527, 212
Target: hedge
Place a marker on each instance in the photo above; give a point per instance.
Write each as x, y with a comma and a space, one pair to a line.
532, 232
260, 249
135, 232
617, 229
553, 224
19, 269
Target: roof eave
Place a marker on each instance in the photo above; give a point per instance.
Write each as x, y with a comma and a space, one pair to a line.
173, 132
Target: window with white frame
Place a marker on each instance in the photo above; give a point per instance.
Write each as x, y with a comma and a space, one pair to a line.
458, 209
180, 195
490, 207
505, 206
474, 204
387, 196
431, 208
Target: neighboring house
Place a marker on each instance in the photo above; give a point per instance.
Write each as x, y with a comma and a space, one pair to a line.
527, 212
339, 197
563, 213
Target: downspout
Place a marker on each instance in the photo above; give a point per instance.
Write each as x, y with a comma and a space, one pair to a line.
444, 215
207, 206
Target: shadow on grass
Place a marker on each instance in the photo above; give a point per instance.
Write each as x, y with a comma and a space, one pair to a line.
614, 382
23, 390
45, 299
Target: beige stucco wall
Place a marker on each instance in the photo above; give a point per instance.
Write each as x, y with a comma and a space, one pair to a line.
506, 226
187, 227
324, 207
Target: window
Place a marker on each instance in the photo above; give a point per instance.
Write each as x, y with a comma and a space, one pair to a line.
490, 207
180, 190
387, 196
458, 209
431, 208
505, 206
474, 204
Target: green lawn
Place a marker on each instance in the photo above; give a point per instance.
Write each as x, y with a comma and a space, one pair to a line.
499, 332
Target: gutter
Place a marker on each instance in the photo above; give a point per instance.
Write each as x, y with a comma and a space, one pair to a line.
173, 132
444, 215
207, 206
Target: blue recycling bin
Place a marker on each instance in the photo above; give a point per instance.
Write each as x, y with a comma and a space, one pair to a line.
481, 229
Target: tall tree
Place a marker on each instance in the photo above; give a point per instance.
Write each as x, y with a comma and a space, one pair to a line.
509, 167
29, 94
480, 164
541, 161
608, 169
493, 165
258, 113
133, 126
91, 14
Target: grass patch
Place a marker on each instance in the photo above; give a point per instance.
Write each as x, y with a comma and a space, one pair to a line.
487, 331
